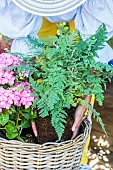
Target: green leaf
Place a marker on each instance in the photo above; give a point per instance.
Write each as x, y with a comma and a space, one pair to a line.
26, 115
29, 114
20, 139
12, 122
28, 110
13, 109
4, 117
33, 115
25, 123
11, 131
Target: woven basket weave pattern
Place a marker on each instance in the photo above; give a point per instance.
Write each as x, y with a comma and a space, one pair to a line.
15, 155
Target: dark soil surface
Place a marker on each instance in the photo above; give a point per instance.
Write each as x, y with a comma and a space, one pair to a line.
46, 132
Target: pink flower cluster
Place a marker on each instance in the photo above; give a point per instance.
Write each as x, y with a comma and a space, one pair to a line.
6, 60
19, 95
6, 98
23, 94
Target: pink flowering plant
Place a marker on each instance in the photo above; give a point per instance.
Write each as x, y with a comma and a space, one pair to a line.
15, 98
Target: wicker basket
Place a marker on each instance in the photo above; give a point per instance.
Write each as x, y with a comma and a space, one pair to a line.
15, 155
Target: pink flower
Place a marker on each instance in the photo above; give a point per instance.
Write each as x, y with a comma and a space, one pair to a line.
23, 94
28, 104
11, 80
9, 60
10, 101
4, 80
17, 103
4, 98
2, 103
6, 93
7, 106
6, 60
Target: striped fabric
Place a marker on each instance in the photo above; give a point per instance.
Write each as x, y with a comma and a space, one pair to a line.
17, 24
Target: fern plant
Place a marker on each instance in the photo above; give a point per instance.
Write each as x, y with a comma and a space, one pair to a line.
62, 69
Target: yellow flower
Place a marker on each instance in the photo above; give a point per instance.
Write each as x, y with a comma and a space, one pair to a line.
39, 80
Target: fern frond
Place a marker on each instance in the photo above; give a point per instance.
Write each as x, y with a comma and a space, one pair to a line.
58, 121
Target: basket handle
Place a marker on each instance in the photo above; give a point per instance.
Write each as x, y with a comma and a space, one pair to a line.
89, 115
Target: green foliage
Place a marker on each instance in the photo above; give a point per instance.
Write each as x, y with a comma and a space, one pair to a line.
14, 120
66, 66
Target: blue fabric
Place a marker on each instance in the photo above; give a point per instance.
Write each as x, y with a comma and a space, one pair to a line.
110, 62
84, 167
17, 24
